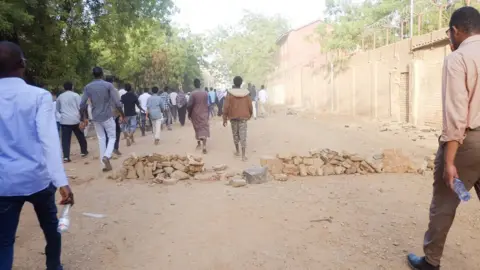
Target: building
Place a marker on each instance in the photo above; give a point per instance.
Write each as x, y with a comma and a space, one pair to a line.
297, 47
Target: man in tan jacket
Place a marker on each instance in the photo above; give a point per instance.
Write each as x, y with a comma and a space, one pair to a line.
238, 109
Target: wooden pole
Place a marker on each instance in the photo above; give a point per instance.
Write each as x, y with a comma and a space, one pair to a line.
440, 17
374, 40
419, 24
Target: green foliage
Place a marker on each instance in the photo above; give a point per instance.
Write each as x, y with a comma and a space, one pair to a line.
348, 25
63, 40
246, 49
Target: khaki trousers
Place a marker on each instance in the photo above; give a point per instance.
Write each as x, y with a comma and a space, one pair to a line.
444, 201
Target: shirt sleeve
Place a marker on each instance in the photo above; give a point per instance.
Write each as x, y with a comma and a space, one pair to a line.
47, 132
455, 99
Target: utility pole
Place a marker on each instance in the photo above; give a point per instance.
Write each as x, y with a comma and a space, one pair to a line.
411, 18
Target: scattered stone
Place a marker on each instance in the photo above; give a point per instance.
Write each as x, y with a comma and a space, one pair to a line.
179, 166
207, 177
297, 160
238, 182
351, 170
169, 170
180, 175
328, 170
220, 167
140, 170
256, 175
303, 170
148, 172
291, 169
339, 170
312, 171
274, 165
280, 177
170, 181
284, 157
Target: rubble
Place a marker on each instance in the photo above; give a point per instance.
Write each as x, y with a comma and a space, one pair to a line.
324, 162
160, 168
256, 175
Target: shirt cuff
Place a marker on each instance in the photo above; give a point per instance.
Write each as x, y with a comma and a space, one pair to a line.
458, 136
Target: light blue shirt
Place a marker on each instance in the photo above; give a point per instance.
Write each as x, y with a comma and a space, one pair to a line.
30, 156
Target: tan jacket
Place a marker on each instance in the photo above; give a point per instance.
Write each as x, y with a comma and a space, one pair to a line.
237, 105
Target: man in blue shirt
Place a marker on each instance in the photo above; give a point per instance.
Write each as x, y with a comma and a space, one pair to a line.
31, 167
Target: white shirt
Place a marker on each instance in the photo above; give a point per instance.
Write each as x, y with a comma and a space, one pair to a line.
68, 105
57, 114
122, 92
262, 95
173, 98
143, 98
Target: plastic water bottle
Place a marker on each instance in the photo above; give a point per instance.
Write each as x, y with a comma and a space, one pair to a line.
64, 220
460, 189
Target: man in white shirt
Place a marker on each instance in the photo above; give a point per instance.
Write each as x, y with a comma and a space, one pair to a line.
174, 108
262, 101
68, 106
143, 98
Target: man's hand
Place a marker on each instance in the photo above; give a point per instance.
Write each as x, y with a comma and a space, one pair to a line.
67, 195
83, 124
123, 120
449, 174
225, 123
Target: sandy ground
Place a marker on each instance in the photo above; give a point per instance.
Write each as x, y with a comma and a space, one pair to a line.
373, 220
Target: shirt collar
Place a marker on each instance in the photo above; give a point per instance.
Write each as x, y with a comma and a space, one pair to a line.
12, 80
471, 39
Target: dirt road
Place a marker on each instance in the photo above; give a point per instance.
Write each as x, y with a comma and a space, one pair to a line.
335, 222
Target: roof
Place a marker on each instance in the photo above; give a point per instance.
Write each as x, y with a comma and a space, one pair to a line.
282, 37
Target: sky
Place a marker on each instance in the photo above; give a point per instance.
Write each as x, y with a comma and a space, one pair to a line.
204, 15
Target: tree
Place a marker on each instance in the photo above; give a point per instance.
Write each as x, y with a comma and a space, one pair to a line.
246, 49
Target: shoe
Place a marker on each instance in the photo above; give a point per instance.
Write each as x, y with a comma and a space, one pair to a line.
419, 263
106, 162
84, 154
66, 160
117, 152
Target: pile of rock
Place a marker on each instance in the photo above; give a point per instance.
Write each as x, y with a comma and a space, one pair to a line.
160, 168
328, 162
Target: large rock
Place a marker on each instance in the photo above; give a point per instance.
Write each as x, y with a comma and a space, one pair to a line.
274, 165
291, 169
168, 170
238, 182
284, 156
280, 177
170, 181
148, 172
297, 160
318, 162
131, 173
311, 170
366, 167
180, 175
351, 170
140, 170
256, 175
328, 170
339, 170
303, 170
308, 161
356, 158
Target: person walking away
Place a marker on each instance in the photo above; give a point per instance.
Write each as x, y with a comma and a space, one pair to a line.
167, 114
458, 155
253, 97
130, 100
182, 106
211, 102
238, 108
31, 168
102, 95
143, 98
174, 108
155, 107
68, 106
118, 125
198, 113
122, 92
262, 101
220, 98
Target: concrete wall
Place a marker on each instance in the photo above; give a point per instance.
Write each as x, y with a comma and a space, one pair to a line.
400, 81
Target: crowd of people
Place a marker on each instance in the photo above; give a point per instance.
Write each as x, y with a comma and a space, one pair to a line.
31, 168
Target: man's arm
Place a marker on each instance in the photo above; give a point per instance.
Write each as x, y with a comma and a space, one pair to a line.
47, 129
455, 111
58, 106
226, 107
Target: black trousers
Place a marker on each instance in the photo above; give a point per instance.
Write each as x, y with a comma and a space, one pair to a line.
67, 139
182, 112
118, 131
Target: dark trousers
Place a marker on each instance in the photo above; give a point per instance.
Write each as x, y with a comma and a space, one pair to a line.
118, 131
143, 123
182, 112
220, 107
67, 139
46, 210
174, 110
